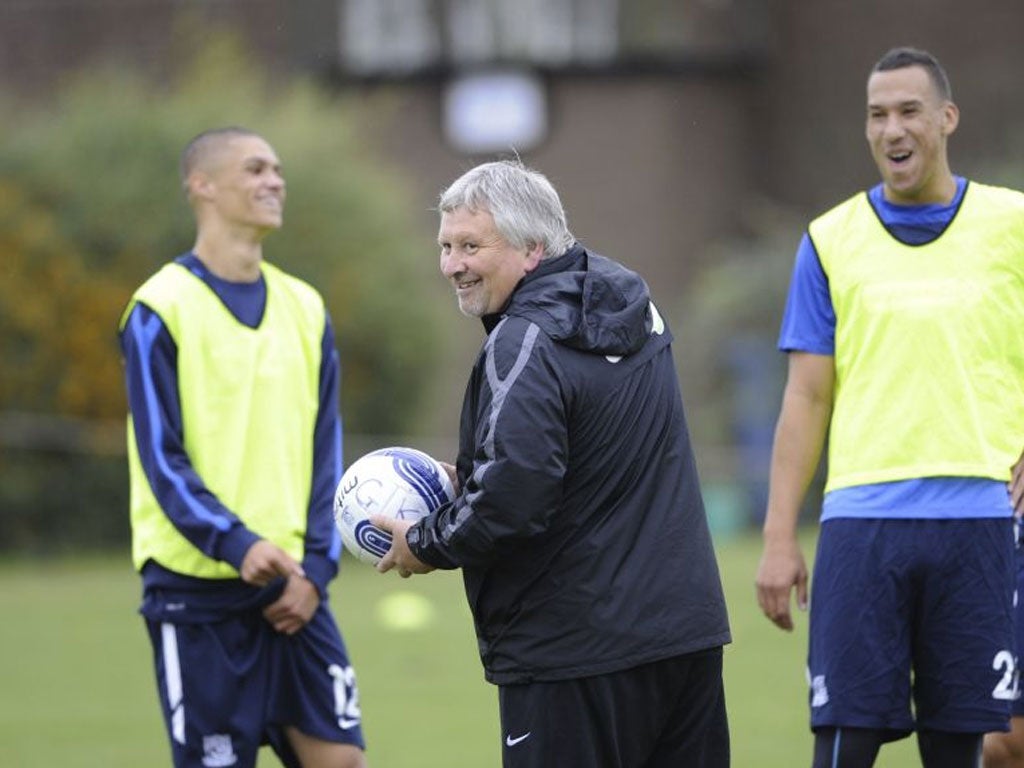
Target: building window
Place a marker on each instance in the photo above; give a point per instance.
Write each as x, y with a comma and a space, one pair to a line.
380, 37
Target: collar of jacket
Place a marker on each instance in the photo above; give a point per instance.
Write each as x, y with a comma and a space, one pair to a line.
567, 260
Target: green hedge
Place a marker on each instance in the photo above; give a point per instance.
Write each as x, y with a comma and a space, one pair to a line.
93, 205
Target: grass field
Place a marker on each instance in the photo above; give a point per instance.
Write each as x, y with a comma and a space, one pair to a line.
76, 687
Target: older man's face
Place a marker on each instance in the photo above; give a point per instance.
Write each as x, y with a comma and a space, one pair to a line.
482, 266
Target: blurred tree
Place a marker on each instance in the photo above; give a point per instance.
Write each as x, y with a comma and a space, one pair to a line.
730, 372
739, 296
52, 312
90, 204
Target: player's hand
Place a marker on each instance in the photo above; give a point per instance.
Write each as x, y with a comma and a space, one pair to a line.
265, 561
295, 607
399, 557
453, 475
781, 570
1016, 487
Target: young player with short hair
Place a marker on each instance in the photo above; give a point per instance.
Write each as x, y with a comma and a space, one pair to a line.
235, 452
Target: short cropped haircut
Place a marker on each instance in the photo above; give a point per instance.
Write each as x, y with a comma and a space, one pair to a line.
900, 58
525, 206
202, 147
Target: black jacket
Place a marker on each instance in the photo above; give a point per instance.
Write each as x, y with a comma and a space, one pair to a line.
579, 527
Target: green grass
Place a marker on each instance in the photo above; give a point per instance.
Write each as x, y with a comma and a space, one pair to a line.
76, 686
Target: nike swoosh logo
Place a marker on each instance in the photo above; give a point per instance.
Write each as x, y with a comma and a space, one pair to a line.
510, 742
344, 723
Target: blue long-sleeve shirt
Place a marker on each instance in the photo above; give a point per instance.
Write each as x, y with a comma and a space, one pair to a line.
150, 356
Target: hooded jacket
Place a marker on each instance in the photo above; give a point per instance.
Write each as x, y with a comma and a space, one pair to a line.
579, 526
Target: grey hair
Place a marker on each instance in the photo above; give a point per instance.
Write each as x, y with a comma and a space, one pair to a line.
526, 208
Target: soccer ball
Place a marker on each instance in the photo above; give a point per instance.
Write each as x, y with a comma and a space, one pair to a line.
398, 482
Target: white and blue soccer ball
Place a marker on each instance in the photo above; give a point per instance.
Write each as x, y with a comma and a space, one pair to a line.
399, 482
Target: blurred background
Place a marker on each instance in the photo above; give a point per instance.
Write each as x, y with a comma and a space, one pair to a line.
690, 139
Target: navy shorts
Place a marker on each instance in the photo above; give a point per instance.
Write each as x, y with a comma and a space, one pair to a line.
228, 687
929, 601
664, 714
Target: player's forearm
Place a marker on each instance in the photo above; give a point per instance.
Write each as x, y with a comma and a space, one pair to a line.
321, 538
799, 440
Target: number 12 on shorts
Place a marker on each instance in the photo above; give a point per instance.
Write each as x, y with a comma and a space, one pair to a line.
346, 696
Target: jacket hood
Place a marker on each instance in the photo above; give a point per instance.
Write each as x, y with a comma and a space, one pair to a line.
585, 301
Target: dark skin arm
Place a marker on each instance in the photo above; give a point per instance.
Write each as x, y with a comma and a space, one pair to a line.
799, 439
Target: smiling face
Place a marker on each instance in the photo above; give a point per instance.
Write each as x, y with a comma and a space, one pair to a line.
240, 185
908, 123
482, 266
